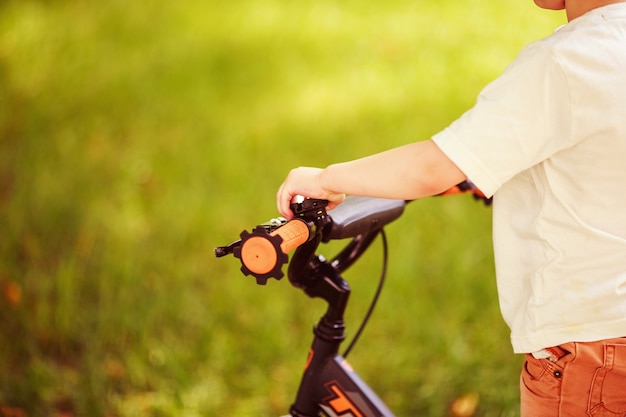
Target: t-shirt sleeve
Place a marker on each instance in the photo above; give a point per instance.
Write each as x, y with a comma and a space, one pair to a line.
519, 120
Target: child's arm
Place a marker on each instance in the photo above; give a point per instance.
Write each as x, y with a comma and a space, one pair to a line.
409, 172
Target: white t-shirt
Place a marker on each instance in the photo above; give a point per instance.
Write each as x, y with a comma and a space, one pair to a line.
548, 140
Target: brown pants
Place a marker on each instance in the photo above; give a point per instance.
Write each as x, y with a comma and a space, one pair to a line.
579, 379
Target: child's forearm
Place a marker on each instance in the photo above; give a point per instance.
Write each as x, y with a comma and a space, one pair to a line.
409, 172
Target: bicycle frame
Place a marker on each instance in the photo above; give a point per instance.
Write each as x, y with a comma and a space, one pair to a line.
329, 384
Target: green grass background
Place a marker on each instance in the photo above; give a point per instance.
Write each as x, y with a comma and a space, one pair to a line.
137, 136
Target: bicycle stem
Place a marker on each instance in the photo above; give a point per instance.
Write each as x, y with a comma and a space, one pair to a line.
325, 283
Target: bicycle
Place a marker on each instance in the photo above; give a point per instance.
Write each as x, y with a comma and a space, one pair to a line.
329, 385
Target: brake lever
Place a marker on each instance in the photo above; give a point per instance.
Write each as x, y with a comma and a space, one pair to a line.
222, 251
269, 227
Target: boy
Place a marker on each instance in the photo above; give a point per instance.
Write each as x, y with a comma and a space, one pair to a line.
548, 140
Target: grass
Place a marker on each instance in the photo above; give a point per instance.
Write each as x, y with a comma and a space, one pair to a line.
135, 137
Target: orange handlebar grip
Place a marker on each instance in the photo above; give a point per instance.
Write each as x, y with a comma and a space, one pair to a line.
294, 234
261, 254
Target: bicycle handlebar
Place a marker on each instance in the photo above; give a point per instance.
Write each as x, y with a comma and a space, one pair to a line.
263, 252
359, 215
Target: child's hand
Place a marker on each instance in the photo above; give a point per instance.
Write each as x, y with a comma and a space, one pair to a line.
304, 182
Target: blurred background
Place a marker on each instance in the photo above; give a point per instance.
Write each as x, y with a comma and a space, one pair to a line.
137, 136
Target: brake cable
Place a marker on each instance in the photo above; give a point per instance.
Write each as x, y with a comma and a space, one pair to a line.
375, 298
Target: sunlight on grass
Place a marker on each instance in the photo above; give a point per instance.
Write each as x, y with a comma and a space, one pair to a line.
135, 138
